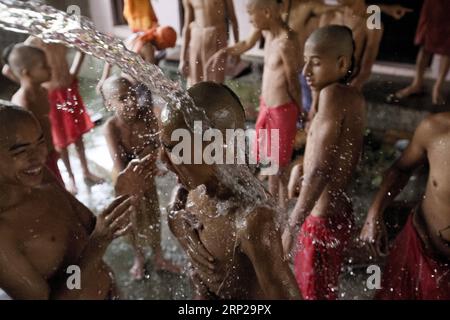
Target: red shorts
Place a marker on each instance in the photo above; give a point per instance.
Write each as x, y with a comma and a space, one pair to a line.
321, 246
433, 30
52, 165
68, 116
282, 118
411, 273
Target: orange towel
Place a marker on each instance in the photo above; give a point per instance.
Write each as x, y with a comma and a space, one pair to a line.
161, 37
139, 15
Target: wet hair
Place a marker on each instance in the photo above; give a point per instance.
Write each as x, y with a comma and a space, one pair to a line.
338, 39
23, 56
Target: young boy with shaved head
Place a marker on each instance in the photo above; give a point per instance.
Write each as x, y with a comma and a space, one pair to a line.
44, 231
323, 211
30, 67
280, 105
233, 240
131, 135
418, 265
367, 41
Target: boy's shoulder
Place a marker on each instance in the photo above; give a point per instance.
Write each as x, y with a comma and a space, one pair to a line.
259, 219
435, 123
339, 92
337, 89
22, 98
111, 123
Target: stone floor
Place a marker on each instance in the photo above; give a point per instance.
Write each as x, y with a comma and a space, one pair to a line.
379, 153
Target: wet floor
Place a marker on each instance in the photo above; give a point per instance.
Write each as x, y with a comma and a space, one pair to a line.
378, 155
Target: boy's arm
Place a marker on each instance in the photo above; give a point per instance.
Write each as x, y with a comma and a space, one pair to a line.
368, 59
231, 13
261, 242
243, 46
181, 226
105, 75
394, 10
323, 150
235, 50
77, 62
291, 66
116, 152
395, 179
18, 278
188, 19
319, 9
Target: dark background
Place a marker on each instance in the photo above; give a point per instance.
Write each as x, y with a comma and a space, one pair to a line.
397, 44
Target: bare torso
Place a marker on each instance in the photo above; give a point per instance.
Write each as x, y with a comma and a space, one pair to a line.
348, 153
136, 139
57, 60
36, 101
303, 21
50, 235
436, 202
234, 277
209, 13
275, 83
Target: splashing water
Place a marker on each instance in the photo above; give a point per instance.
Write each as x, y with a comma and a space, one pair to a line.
52, 25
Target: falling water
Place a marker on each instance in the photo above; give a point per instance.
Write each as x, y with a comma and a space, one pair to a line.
52, 25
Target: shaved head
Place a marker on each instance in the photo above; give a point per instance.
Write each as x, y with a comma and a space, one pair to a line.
115, 84
10, 116
220, 103
334, 39
24, 57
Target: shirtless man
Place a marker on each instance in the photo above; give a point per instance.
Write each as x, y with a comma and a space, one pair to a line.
30, 67
205, 33
43, 228
131, 134
241, 241
68, 116
280, 95
333, 149
367, 41
419, 262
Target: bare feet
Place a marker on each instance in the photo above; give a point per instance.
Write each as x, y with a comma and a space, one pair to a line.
71, 186
437, 97
411, 90
162, 264
137, 271
91, 179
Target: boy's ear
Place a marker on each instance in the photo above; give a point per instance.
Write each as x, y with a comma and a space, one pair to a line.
24, 72
343, 64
